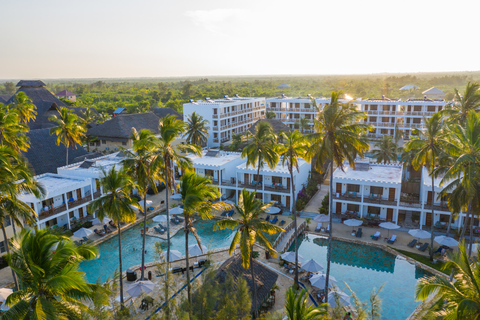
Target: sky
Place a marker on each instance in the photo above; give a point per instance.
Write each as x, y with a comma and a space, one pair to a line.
52, 39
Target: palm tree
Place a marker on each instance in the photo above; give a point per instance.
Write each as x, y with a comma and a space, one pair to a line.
117, 205
298, 308
261, 149
458, 110
197, 129
88, 116
457, 299
12, 131
144, 165
386, 150
197, 192
251, 229
294, 148
304, 124
338, 137
24, 107
51, 286
69, 131
428, 147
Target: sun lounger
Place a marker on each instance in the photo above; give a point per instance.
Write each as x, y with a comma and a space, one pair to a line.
176, 269
424, 247
101, 233
179, 219
224, 213
161, 231
175, 221
85, 239
319, 226
376, 235
274, 221
282, 223
230, 213
359, 233
412, 243
267, 218
392, 239
328, 229
161, 226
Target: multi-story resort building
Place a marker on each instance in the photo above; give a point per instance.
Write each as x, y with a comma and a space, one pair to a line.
388, 116
227, 116
231, 174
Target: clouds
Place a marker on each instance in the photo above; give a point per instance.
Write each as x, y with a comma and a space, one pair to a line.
218, 20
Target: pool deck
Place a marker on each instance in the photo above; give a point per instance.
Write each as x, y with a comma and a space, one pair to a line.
174, 228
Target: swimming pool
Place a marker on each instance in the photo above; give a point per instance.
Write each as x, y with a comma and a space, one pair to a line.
364, 268
107, 263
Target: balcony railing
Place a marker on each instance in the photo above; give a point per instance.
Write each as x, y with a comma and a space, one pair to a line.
410, 203
348, 197
75, 203
380, 201
96, 194
278, 189
215, 140
51, 212
228, 183
437, 207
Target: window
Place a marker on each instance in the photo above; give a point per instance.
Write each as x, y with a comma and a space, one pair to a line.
2, 247
417, 108
215, 111
376, 190
353, 187
8, 221
124, 143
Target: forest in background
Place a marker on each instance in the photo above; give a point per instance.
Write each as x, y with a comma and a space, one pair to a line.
142, 94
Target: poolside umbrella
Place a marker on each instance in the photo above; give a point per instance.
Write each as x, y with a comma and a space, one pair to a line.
82, 232
321, 218
419, 233
97, 221
160, 218
389, 226
229, 202
290, 256
195, 250
174, 255
140, 287
273, 210
4, 293
353, 222
4, 307
318, 281
176, 196
446, 241
176, 210
312, 266
335, 296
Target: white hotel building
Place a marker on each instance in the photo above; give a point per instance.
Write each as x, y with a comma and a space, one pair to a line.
226, 116
387, 116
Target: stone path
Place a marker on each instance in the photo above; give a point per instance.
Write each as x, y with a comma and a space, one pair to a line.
281, 245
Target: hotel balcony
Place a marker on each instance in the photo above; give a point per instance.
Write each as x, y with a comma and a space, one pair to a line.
96, 194
437, 207
53, 211
277, 189
348, 196
379, 200
75, 203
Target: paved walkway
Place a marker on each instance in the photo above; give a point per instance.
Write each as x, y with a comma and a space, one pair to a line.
285, 239
316, 202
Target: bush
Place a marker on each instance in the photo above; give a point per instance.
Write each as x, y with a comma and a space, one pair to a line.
324, 208
255, 254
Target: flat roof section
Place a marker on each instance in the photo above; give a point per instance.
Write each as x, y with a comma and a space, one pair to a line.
214, 162
266, 169
376, 173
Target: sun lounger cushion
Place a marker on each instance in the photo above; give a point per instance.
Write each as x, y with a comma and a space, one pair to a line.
274, 220
412, 243
282, 222
319, 226
376, 235
392, 239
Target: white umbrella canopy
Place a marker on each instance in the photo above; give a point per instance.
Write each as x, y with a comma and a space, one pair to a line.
321, 218
82, 232
176, 196
195, 250
176, 210
160, 218
419, 233
4, 293
97, 221
229, 202
335, 296
139, 287
320, 279
389, 226
446, 241
290, 256
4, 307
174, 255
273, 210
312, 266
353, 222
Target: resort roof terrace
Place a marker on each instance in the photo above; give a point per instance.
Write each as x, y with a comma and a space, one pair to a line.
376, 173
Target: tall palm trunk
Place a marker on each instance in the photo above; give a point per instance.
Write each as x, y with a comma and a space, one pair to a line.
295, 226
464, 228
67, 155
329, 250
470, 241
258, 174
254, 285
433, 218
120, 260
167, 196
142, 273
449, 224
187, 265
8, 252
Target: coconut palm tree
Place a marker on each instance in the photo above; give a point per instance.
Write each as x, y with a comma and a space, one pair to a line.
458, 110
250, 228
88, 116
116, 204
304, 124
197, 129
68, 129
386, 150
12, 131
429, 146
338, 137
144, 165
24, 107
297, 306
458, 298
51, 285
197, 193
261, 149
294, 148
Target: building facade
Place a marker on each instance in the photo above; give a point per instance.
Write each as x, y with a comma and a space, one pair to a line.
226, 116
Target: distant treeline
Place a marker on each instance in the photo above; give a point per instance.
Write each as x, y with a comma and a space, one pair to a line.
142, 94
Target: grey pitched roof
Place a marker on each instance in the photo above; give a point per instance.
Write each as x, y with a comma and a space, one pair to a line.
277, 125
163, 112
4, 98
121, 126
264, 277
45, 156
47, 104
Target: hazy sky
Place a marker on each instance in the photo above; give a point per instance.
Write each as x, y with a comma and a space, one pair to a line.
155, 38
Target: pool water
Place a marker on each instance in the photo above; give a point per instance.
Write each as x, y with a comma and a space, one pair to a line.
364, 268
107, 263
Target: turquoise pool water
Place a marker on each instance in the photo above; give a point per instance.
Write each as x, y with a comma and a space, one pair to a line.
105, 266
364, 268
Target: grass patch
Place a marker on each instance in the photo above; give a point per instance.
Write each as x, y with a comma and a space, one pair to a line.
425, 260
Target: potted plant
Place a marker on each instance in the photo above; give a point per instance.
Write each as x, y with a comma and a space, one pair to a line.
272, 291
308, 220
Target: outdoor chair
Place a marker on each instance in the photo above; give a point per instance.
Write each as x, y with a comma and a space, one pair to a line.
274, 221
85, 239
412, 243
424, 247
376, 236
319, 226
176, 269
224, 213
392, 239
267, 217
161, 226
282, 223
359, 233
230, 213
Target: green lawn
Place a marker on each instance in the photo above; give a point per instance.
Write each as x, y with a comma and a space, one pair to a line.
425, 260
